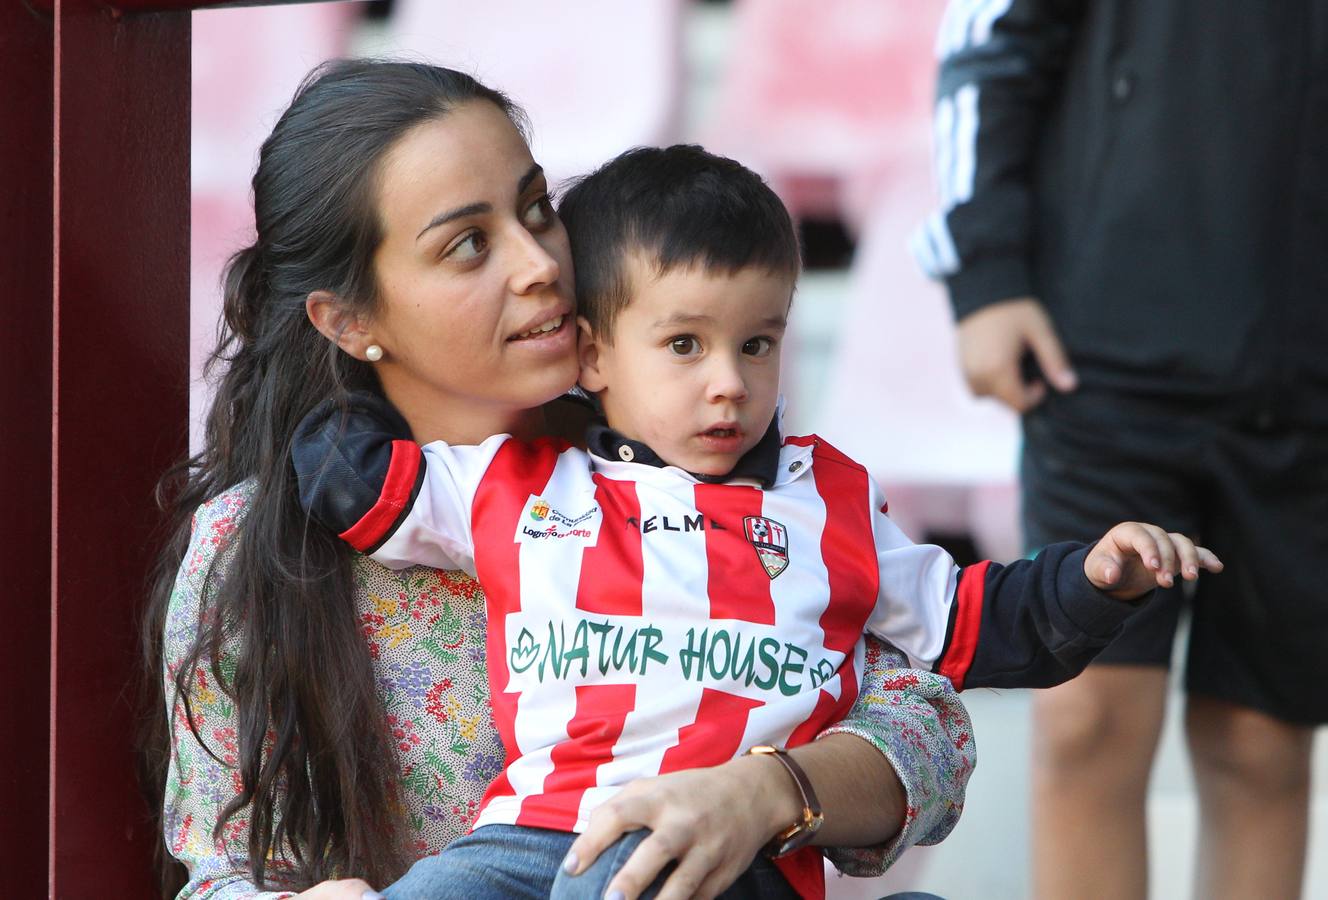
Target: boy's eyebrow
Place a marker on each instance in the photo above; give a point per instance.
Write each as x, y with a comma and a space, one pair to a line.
473, 209
682, 319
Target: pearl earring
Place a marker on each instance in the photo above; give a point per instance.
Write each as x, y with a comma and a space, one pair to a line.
373, 353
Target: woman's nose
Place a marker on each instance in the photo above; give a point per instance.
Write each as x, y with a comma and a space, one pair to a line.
535, 266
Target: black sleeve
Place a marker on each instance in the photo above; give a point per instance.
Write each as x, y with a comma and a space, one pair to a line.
358, 470
1001, 62
1033, 623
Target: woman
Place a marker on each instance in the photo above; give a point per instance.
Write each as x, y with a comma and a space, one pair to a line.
406, 243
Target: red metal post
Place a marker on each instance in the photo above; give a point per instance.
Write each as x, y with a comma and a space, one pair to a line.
94, 276
26, 48
119, 370
92, 407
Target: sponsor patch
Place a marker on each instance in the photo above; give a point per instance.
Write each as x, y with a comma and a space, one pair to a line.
541, 522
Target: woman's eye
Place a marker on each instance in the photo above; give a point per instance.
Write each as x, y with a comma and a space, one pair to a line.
469, 247
759, 346
684, 346
540, 213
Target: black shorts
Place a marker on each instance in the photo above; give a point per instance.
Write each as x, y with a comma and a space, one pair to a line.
1253, 491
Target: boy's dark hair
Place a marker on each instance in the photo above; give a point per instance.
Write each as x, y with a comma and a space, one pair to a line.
679, 206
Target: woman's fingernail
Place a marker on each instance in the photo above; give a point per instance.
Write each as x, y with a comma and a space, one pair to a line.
372, 895
569, 862
615, 895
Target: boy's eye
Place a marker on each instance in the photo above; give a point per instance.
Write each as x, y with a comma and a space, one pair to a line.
469, 247
758, 346
684, 346
540, 214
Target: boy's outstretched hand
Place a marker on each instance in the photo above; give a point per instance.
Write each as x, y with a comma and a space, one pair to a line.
1135, 557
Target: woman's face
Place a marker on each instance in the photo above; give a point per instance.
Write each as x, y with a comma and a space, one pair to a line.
475, 311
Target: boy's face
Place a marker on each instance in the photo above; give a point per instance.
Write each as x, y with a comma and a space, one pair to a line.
693, 370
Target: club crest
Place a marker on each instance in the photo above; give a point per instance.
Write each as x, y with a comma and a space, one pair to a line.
770, 540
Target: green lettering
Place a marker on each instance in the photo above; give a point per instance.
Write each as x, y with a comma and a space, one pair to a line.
653, 637
766, 651
790, 668
553, 654
694, 654
823, 672
627, 654
743, 669
601, 630
580, 648
718, 672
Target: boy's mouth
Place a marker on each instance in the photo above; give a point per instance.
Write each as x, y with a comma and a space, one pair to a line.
725, 437
547, 327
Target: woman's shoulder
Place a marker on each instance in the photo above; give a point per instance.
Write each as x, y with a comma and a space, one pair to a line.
212, 531
215, 522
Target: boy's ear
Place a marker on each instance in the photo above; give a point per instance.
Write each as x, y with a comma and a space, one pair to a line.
336, 322
587, 349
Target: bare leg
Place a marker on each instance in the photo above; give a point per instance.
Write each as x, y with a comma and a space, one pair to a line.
1253, 776
1093, 744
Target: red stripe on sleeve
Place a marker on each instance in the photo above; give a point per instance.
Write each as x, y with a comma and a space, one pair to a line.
517, 471
715, 736
744, 592
402, 471
611, 571
601, 710
955, 661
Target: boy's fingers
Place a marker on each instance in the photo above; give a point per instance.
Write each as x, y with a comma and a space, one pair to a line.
1208, 560
1050, 355
1187, 556
1014, 392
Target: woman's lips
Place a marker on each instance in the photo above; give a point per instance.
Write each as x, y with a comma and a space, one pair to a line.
542, 331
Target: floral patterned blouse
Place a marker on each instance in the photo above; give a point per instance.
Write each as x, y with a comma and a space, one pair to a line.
424, 629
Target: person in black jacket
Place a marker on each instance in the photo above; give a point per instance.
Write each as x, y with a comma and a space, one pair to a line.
1133, 230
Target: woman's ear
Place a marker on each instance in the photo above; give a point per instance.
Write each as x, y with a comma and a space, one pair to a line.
588, 352
338, 324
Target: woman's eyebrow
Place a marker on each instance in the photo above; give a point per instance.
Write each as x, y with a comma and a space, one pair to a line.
472, 209
535, 171
469, 209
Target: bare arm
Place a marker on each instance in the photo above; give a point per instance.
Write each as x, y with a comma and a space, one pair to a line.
889, 776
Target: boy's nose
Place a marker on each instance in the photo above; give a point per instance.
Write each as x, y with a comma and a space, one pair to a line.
726, 382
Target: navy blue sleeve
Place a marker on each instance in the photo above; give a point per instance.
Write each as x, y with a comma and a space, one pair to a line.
358, 470
1033, 623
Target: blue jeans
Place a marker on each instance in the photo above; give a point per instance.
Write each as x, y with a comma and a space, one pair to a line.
498, 862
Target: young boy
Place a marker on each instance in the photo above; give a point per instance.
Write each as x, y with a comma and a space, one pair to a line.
692, 585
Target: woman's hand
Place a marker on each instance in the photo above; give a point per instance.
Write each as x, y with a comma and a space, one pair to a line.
712, 822
345, 889
1134, 557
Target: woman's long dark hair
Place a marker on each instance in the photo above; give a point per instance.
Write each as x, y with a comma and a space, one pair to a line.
321, 795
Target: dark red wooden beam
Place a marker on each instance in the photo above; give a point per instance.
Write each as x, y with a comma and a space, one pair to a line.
26, 53
94, 214
119, 363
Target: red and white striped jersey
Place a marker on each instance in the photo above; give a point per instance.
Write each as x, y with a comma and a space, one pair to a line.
641, 622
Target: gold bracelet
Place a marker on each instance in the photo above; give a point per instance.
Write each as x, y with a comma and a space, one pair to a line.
802, 831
